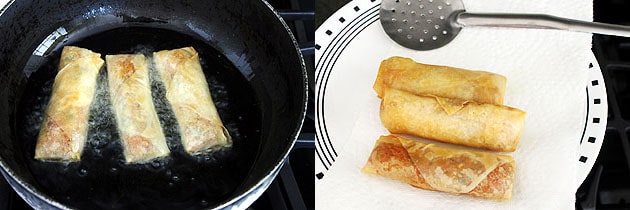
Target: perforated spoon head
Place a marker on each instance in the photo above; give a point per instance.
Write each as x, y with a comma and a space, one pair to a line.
421, 24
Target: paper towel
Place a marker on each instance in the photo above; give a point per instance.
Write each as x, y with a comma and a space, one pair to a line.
546, 78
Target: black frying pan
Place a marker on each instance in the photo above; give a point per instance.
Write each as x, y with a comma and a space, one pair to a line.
251, 62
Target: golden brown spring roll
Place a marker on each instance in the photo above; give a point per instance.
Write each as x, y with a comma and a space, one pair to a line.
443, 81
130, 89
187, 91
436, 168
63, 132
486, 126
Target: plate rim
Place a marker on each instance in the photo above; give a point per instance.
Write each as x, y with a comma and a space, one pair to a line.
596, 111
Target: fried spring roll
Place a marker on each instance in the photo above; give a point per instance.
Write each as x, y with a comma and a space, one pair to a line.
130, 89
64, 130
486, 126
436, 168
443, 81
187, 91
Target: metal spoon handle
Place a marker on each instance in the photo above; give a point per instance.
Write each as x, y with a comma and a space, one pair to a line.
539, 21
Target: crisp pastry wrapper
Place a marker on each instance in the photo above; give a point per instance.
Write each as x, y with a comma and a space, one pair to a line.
485, 126
141, 134
63, 132
443, 81
187, 91
450, 170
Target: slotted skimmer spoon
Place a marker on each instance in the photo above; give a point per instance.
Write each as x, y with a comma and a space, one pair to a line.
431, 24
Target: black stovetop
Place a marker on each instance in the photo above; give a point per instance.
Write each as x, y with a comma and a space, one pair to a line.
608, 184
606, 187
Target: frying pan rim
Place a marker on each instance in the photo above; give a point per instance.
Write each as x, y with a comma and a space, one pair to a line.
9, 175
271, 174
262, 183
28, 187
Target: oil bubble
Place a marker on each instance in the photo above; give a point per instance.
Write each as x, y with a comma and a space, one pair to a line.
83, 172
204, 203
156, 164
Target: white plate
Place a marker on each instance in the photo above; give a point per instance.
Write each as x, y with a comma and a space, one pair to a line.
342, 91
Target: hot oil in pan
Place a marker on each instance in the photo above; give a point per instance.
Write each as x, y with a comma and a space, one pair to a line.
102, 179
